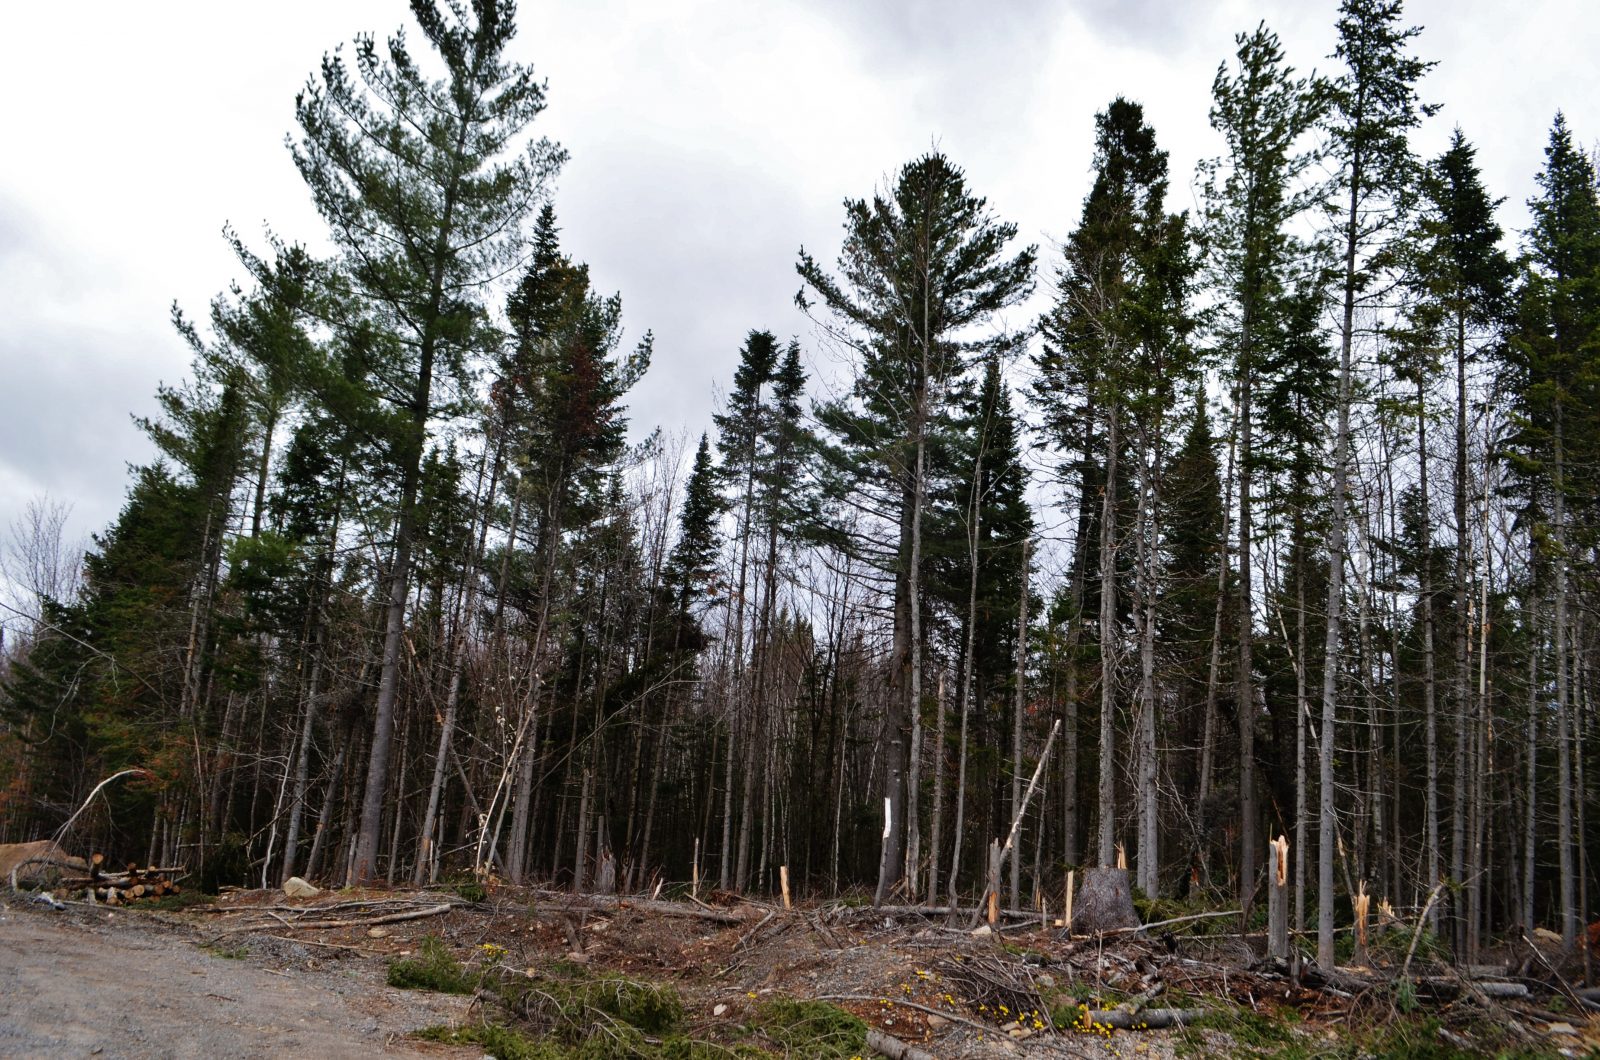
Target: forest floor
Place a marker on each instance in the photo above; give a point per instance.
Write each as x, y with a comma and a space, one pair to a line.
527, 975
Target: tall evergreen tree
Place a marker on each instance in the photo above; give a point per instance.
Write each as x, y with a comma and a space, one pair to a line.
923, 269
426, 184
1119, 297
1254, 195
1554, 371
1374, 108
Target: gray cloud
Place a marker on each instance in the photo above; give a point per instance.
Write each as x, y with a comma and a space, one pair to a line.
709, 141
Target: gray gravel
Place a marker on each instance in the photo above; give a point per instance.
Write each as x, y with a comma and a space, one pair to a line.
88, 982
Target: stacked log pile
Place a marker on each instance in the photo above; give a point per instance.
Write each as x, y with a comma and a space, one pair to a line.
120, 888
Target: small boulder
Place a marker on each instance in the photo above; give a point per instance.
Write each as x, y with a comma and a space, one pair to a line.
295, 887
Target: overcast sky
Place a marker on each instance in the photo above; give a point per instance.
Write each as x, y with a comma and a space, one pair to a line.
709, 141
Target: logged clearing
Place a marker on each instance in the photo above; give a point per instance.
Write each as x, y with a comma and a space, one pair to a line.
544, 975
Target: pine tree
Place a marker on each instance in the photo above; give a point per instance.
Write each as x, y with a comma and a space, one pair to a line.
922, 271
426, 185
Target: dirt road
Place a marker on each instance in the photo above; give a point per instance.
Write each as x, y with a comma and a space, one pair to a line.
88, 983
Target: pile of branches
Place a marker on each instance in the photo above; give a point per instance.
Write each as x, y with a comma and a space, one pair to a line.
995, 985
346, 914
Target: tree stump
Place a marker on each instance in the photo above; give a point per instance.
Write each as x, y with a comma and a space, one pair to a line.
1278, 899
1104, 902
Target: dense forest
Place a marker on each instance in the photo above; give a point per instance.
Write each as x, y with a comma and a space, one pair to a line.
1281, 520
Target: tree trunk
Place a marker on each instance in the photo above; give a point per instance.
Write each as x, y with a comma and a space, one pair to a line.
1104, 902
1244, 676
1338, 548
302, 761
1018, 703
914, 808
1530, 835
447, 725
1144, 534
934, 836
1107, 794
1569, 911
968, 664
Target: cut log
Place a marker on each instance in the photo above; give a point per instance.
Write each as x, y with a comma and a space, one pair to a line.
577, 904
894, 1048
1104, 902
1438, 988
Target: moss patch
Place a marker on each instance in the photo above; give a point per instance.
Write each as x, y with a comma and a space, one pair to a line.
433, 969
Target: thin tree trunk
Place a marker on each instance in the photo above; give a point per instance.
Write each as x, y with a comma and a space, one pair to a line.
913, 808
1530, 800
1302, 715
302, 760
1244, 677
1069, 752
1107, 793
1208, 741
937, 824
1338, 548
1569, 911
463, 623
968, 665
319, 841
1144, 534
1018, 700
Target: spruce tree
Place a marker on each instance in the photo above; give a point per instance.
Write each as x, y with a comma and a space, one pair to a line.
1554, 377
1254, 195
1109, 355
1458, 281
559, 399
1374, 108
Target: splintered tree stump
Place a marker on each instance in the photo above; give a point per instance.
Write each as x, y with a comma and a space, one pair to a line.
1278, 899
1104, 902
